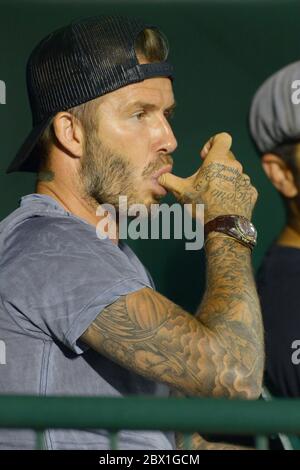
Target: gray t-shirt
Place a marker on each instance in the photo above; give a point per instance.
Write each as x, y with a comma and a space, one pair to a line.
56, 276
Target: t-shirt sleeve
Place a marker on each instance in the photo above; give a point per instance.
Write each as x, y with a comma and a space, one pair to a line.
63, 277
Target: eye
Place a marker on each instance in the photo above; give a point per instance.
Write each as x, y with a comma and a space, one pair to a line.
139, 115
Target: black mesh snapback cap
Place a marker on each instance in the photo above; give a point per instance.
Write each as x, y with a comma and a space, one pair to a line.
77, 63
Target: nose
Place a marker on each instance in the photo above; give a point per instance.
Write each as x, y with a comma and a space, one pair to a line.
166, 141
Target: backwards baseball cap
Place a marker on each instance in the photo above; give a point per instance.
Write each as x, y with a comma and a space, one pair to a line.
274, 119
77, 63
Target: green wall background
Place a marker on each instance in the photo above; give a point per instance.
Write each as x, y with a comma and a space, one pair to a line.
221, 51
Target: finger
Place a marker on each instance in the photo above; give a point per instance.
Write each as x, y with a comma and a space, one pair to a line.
230, 155
220, 147
206, 148
172, 183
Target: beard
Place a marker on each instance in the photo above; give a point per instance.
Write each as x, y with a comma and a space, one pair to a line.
105, 176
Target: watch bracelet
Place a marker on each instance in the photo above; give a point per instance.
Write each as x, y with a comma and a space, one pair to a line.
224, 235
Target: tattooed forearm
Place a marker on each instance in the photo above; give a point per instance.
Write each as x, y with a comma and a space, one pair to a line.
216, 355
147, 333
230, 308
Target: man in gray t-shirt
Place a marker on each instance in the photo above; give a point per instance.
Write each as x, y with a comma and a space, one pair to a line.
78, 312
55, 278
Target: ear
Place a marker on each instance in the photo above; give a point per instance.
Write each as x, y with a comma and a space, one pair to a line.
280, 175
69, 133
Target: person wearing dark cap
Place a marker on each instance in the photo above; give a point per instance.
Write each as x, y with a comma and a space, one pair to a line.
79, 312
275, 128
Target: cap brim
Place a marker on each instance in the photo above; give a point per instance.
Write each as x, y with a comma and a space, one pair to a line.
24, 160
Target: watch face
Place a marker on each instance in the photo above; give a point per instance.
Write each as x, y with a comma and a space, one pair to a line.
247, 228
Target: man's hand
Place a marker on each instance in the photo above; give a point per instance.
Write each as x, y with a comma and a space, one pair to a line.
219, 184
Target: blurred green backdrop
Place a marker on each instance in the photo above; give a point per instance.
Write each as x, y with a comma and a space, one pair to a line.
222, 50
